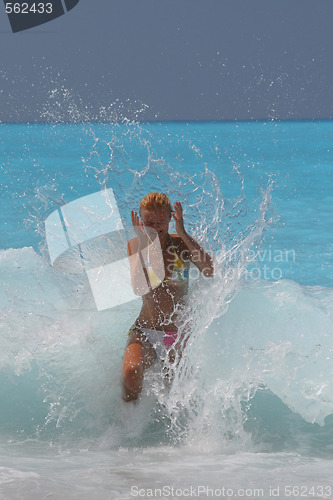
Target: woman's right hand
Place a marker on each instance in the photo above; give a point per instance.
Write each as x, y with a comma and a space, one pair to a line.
139, 229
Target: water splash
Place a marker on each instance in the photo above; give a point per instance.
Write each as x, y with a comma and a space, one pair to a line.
124, 156
64, 355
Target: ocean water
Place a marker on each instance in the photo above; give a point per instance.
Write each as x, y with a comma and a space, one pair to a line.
249, 410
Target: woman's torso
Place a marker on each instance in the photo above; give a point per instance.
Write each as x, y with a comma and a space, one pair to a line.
161, 306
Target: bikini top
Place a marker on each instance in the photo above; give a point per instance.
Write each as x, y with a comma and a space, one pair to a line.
180, 272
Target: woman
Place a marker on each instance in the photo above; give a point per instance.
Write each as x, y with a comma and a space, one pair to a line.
159, 265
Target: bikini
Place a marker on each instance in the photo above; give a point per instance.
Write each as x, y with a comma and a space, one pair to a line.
180, 272
162, 340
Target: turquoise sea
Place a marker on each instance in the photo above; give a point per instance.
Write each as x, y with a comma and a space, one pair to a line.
249, 412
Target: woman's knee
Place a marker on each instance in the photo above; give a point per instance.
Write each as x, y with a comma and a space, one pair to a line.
133, 359
132, 374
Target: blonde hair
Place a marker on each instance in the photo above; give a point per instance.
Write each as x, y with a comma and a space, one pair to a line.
155, 200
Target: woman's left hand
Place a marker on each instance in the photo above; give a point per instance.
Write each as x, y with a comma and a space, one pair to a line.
197, 254
178, 217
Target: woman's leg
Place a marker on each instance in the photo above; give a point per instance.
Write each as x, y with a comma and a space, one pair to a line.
139, 355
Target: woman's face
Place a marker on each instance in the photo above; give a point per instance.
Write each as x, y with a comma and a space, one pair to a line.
157, 219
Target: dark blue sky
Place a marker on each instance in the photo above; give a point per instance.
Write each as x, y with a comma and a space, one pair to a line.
175, 59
